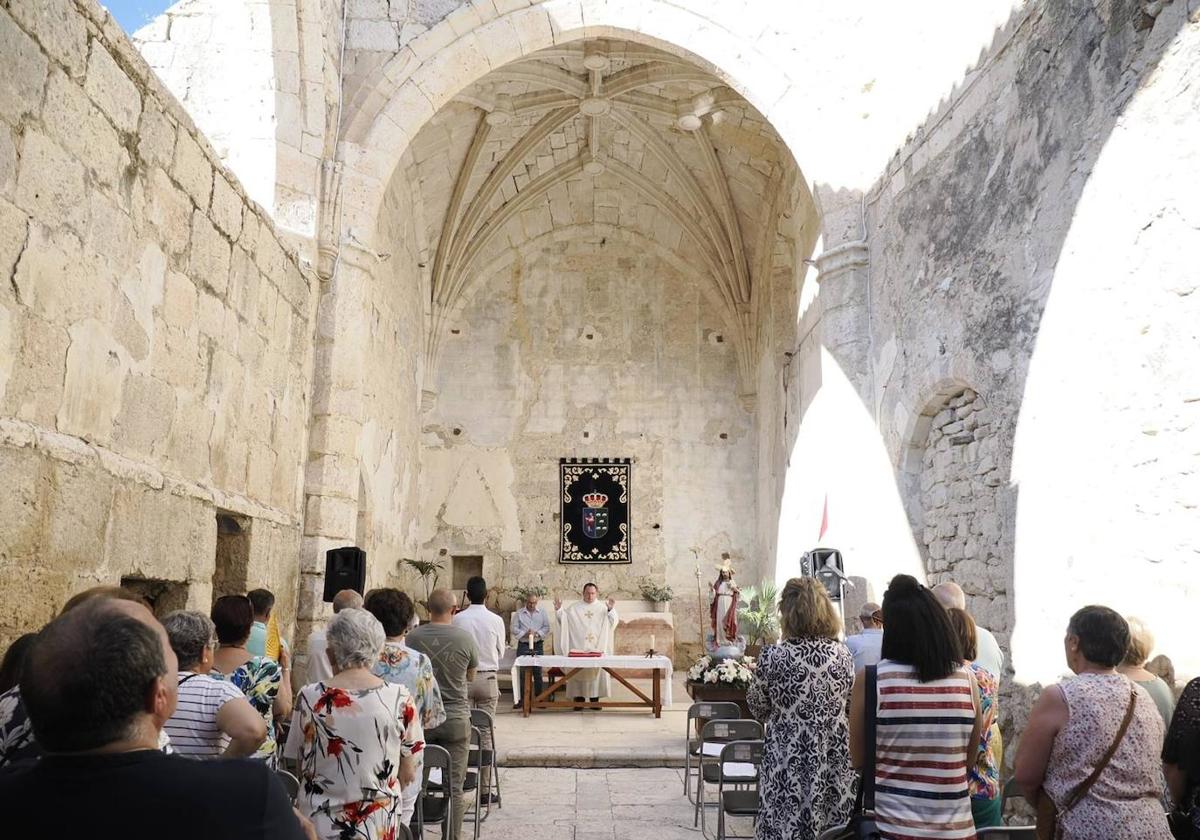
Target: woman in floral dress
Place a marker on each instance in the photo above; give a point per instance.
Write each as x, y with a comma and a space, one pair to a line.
400, 664
266, 683
355, 738
801, 692
983, 776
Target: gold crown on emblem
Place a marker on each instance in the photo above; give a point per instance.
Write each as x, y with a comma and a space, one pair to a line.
595, 500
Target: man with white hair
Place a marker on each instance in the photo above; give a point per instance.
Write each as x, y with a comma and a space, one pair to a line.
318, 662
866, 646
989, 657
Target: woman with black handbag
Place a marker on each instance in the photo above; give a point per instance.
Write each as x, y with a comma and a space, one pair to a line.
927, 722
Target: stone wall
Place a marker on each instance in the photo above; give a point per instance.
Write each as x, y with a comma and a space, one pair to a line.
586, 346
155, 337
961, 471
260, 80
1021, 244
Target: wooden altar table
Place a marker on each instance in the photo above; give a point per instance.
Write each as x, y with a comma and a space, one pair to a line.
659, 666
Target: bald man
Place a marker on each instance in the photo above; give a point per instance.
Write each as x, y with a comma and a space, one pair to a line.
990, 657
319, 669
100, 684
455, 658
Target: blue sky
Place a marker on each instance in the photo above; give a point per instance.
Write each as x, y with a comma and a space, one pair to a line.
134, 14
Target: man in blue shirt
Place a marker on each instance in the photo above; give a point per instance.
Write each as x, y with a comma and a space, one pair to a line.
530, 627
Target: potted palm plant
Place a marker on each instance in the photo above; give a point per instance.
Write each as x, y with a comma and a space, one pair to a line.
758, 616
429, 571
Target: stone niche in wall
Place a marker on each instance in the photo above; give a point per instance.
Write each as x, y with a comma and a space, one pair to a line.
961, 476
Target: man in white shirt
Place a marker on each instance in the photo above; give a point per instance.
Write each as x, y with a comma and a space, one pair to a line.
865, 646
319, 669
487, 629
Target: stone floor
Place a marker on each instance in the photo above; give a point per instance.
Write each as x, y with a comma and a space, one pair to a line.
569, 804
610, 738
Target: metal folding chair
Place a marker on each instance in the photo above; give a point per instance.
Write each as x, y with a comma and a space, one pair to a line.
433, 803
471, 783
740, 761
715, 735
485, 756
290, 783
1003, 832
702, 711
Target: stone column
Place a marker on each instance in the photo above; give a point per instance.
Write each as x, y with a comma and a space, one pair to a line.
845, 317
331, 475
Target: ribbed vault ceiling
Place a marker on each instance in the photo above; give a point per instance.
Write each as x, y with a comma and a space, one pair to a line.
602, 132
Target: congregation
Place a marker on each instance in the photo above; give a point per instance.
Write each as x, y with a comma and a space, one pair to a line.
106, 694
909, 707
111, 703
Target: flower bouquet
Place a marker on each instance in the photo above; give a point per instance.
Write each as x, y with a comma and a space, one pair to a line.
724, 673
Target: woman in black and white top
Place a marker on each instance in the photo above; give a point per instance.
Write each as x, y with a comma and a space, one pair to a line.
212, 718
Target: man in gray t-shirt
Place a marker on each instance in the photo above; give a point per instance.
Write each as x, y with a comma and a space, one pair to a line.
455, 657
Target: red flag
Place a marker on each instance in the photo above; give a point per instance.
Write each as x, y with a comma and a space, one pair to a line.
824, 519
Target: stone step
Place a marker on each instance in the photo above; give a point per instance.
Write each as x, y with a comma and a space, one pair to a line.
585, 758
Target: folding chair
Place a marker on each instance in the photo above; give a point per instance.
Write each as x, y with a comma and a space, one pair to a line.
433, 803
702, 711
715, 735
485, 756
740, 760
290, 783
1003, 832
471, 782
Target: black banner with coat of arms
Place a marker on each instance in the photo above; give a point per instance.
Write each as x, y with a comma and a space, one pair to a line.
594, 510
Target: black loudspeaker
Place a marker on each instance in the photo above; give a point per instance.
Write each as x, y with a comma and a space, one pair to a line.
825, 564
345, 568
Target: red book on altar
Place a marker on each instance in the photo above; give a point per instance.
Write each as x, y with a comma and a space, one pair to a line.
595, 654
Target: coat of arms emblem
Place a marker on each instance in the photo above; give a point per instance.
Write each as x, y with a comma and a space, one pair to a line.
595, 515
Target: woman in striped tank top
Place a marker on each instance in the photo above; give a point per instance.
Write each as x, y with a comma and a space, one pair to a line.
927, 721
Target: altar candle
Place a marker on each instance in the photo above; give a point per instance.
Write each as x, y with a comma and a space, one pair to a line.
651, 641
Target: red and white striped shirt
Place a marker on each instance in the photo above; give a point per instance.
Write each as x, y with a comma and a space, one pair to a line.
922, 734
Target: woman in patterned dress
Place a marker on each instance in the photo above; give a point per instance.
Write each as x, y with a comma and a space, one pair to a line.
266, 683
355, 738
983, 776
1181, 761
928, 720
801, 693
400, 664
1074, 723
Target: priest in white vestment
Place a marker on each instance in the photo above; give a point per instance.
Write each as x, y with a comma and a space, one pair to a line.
586, 625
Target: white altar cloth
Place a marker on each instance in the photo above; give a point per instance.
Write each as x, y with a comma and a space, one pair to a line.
620, 663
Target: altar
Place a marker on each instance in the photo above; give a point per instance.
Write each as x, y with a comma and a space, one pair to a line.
658, 668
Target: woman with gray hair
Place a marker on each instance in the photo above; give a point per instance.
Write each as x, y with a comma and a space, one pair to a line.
212, 718
354, 737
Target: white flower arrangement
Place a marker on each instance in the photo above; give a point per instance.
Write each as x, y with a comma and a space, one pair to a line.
734, 673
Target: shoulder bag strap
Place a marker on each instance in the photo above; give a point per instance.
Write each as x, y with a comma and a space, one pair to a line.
868, 779
1082, 790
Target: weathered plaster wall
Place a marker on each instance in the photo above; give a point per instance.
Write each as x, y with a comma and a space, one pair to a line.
155, 337
587, 347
